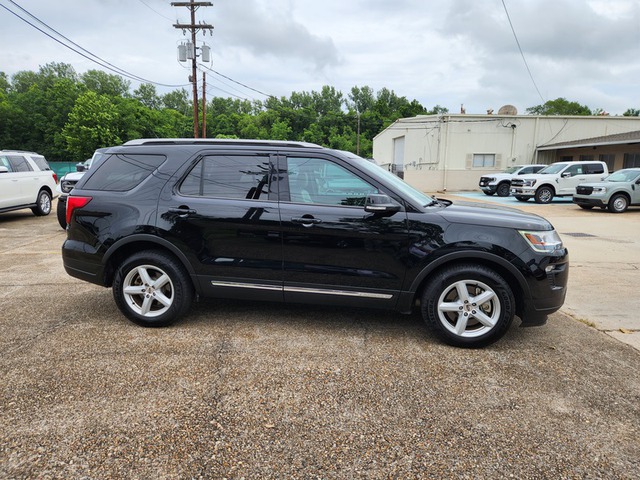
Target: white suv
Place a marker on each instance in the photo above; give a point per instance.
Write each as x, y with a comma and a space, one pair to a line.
26, 181
557, 180
500, 182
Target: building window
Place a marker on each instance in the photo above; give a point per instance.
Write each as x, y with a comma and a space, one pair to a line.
586, 158
609, 159
484, 160
631, 160
566, 158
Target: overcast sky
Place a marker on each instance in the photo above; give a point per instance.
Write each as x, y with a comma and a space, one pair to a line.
440, 52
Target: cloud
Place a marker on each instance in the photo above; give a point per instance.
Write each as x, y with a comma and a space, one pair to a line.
263, 28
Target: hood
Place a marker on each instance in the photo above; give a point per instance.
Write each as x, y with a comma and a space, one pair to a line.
73, 176
484, 214
603, 184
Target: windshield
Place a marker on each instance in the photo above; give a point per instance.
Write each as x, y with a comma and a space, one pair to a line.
551, 169
512, 170
623, 176
404, 188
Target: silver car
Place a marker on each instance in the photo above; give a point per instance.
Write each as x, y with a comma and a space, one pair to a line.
616, 192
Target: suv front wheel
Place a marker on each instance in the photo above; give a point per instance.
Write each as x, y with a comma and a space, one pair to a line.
544, 194
152, 289
468, 305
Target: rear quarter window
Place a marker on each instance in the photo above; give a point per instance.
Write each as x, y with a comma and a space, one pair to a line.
42, 163
123, 172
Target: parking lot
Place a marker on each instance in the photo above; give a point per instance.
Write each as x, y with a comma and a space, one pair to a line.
256, 390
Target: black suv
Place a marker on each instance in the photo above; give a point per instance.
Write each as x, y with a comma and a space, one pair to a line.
165, 221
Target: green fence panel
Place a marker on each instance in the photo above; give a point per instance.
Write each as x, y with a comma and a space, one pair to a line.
62, 168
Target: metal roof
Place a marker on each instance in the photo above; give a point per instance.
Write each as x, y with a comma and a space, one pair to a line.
616, 139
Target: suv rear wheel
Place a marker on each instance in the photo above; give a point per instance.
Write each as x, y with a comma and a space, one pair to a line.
468, 305
43, 204
152, 289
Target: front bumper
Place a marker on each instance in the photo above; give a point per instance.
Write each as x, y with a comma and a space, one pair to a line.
489, 188
523, 191
590, 202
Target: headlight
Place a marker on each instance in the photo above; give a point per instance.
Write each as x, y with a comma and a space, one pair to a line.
491, 179
599, 189
542, 241
66, 186
529, 182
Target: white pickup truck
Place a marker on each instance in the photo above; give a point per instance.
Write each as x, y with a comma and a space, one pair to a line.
557, 180
500, 182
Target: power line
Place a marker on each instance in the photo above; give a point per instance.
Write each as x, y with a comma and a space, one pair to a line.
521, 52
154, 10
240, 83
99, 61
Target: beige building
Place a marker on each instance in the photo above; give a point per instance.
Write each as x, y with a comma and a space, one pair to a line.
437, 153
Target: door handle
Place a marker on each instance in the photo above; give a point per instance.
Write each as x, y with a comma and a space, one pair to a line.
182, 211
306, 221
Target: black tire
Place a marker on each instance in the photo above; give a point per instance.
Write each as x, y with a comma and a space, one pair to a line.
448, 305
522, 199
61, 213
43, 204
618, 203
504, 189
145, 296
544, 194
585, 207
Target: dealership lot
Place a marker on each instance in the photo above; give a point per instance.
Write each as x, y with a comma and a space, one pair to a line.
260, 390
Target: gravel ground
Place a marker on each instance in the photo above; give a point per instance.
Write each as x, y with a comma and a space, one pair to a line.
256, 390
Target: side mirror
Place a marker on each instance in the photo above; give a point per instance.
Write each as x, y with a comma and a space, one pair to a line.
566, 175
380, 204
80, 167
4, 170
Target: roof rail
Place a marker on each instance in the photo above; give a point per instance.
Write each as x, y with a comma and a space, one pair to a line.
220, 141
20, 151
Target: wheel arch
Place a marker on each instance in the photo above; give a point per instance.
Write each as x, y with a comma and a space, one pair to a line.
505, 269
621, 192
546, 184
125, 247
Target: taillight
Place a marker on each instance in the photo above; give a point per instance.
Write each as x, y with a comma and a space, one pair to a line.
55, 177
75, 202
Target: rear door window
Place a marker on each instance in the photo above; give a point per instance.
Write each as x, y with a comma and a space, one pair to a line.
230, 176
19, 164
123, 172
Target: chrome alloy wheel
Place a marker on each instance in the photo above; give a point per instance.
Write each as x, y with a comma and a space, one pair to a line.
469, 308
148, 291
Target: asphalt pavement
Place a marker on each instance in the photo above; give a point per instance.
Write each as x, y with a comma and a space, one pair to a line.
257, 390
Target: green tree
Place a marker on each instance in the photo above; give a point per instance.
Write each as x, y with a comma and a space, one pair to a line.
559, 106
93, 123
146, 94
632, 112
178, 100
105, 83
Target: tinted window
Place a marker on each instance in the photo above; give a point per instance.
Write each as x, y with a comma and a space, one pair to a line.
122, 172
19, 164
229, 176
594, 168
316, 180
41, 163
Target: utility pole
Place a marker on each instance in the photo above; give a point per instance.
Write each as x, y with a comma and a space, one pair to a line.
193, 27
204, 105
